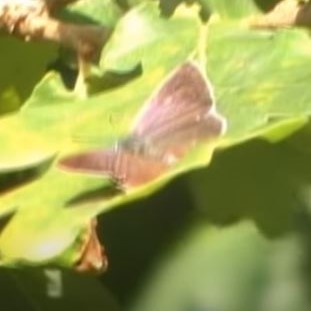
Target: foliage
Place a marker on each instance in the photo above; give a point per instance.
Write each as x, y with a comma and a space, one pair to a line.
243, 220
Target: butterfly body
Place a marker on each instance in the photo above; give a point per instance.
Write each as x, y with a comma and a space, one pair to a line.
178, 117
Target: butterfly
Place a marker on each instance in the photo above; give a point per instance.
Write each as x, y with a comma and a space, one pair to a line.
180, 115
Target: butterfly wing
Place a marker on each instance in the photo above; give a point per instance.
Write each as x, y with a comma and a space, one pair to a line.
94, 162
128, 168
180, 114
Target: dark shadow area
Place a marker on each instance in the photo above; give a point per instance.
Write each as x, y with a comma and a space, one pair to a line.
11, 297
102, 193
123, 4
68, 73
168, 7
75, 17
255, 181
110, 80
10, 181
266, 5
134, 236
303, 15
303, 226
31, 289
16, 70
4, 220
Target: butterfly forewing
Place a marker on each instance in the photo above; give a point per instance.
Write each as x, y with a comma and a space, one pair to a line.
183, 97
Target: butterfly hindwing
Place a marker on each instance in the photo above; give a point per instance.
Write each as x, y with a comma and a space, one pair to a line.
127, 168
184, 93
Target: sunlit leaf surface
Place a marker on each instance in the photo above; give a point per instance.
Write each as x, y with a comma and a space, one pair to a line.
261, 84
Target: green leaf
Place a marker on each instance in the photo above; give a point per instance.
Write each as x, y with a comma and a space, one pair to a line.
246, 67
142, 36
234, 9
43, 226
54, 112
9, 100
69, 189
250, 71
22, 73
43, 113
103, 12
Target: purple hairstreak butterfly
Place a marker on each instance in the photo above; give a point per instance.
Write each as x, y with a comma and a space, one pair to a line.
179, 116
